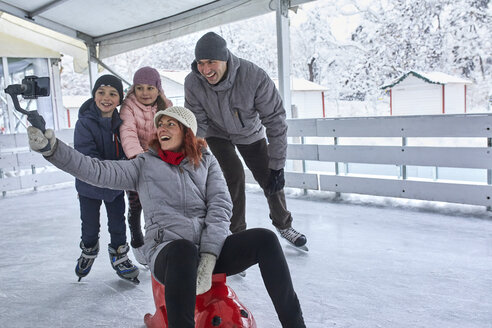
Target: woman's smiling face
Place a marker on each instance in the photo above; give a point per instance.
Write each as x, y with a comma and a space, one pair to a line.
170, 134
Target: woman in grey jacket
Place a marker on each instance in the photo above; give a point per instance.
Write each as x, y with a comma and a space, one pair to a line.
187, 208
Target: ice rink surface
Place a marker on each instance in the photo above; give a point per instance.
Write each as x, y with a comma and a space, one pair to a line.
368, 266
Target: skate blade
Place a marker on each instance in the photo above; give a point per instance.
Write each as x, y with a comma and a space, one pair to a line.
302, 248
132, 280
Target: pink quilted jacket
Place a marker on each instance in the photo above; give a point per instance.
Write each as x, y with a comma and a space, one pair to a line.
138, 126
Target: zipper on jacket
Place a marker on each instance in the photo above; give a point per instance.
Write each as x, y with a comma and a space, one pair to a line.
181, 171
115, 137
159, 239
240, 118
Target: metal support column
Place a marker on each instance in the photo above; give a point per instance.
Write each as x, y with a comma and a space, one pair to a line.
91, 53
9, 123
283, 50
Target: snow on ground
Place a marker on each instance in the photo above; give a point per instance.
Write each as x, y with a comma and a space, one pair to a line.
369, 266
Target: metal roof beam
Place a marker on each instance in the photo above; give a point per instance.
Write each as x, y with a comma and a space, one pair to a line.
169, 20
38, 20
46, 7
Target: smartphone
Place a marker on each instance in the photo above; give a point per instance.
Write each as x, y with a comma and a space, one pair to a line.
34, 87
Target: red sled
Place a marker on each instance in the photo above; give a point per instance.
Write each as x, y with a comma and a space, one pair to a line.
219, 307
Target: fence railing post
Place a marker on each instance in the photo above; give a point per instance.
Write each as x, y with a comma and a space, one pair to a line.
403, 168
33, 171
489, 171
337, 165
303, 164
2, 175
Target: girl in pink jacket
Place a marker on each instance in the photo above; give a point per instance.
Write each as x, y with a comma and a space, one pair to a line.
137, 112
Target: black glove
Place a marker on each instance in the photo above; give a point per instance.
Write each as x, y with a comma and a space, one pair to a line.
276, 181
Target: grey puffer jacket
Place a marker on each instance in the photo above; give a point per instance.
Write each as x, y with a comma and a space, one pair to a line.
239, 107
179, 202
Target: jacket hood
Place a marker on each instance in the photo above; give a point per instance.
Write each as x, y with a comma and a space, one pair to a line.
233, 64
89, 110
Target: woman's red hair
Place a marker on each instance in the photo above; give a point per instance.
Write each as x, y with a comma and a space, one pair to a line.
192, 145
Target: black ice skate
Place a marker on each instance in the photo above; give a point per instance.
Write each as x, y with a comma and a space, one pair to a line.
122, 264
86, 259
294, 237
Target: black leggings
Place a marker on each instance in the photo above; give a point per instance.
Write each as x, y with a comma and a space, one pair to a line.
176, 266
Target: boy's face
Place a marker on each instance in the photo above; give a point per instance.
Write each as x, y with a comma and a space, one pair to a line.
107, 99
212, 70
146, 94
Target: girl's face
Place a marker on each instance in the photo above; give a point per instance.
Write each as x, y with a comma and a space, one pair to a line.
170, 134
107, 99
146, 94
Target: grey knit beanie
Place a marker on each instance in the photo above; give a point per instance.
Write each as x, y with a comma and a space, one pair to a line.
211, 46
182, 114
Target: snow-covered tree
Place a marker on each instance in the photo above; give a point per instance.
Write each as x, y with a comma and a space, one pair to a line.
390, 38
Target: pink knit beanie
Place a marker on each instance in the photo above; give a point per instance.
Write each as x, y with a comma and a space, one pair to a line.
147, 75
150, 76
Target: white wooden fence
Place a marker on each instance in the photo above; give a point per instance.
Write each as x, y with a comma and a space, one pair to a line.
403, 127
429, 126
21, 168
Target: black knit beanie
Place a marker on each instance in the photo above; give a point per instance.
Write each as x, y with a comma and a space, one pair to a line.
211, 46
109, 80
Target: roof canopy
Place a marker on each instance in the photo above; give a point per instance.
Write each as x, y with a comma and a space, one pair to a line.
119, 26
429, 77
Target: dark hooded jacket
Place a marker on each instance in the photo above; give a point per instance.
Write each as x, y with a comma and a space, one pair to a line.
97, 137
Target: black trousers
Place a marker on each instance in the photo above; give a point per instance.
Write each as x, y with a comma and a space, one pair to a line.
90, 216
134, 211
256, 158
176, 267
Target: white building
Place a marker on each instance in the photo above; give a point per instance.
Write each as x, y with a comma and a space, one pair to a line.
307, 97
417, 93
173, 85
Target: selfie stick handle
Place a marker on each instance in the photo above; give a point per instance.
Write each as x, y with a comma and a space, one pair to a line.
33, 116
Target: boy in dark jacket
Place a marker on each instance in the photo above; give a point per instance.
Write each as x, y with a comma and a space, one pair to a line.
97, 135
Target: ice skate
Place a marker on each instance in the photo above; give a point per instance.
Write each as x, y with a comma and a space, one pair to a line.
122, 264
294, 237
86, 259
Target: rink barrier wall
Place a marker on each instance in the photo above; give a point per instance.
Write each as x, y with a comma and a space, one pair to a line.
15, 156
21, 168
403, 127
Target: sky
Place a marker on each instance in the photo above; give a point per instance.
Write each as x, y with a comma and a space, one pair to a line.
370, 264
